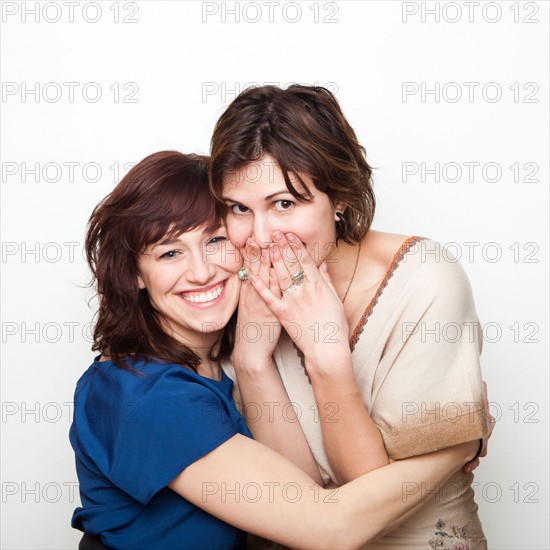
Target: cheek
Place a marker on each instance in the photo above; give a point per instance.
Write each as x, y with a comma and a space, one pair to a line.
162, 280
238, 230
232, 260
318, 234
228, 258
308, 228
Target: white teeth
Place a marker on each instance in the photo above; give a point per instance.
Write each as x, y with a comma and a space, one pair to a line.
204, 296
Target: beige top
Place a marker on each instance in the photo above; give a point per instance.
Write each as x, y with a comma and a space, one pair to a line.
416, 359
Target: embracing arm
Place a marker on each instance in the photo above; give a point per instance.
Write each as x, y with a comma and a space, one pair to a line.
253, 488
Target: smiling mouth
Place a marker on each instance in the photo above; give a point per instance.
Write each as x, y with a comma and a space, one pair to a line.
204, 297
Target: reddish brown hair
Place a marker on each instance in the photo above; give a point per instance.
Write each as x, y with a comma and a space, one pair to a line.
304, 130
166, 194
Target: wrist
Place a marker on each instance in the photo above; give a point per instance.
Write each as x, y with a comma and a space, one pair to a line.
330, 365
472, 449
252, 366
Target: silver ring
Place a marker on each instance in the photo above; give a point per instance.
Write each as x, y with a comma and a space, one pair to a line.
243, 274
288, 289
298, 278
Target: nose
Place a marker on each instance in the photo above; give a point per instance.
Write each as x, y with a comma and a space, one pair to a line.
200, 270
263, 230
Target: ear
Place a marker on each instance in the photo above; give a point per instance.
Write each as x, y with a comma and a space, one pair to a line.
339, 207
140, 282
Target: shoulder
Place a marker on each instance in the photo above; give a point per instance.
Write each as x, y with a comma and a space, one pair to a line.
150, 383
434, 265
161, 400
424, 267
391, 250
435, 280
380, 247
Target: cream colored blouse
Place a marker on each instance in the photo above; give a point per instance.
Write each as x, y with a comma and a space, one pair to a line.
416, 355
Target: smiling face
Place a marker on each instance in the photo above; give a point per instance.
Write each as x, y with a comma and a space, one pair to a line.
192, 282
260, 203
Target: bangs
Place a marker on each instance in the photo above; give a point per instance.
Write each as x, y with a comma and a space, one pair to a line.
290, 160
177, 207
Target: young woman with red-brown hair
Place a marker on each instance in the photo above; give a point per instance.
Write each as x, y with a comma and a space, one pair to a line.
163, 457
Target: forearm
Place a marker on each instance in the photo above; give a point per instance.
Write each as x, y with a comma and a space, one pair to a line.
396, 491
271, 416
310, 516
352, 441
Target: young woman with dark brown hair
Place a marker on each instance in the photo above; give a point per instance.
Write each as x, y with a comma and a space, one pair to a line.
294, 181
163, 457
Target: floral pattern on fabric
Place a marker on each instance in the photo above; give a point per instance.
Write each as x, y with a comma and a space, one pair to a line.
450, 538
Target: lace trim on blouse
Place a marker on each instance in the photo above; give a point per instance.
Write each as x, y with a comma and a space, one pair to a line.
397, 258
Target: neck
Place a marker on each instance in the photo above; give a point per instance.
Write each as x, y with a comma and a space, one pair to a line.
341, 266
208, 368
201, 343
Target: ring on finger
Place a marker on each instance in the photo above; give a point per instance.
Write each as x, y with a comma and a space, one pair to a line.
288, 289
298, 278
243, 274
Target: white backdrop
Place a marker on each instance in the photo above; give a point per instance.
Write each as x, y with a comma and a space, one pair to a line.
451, 101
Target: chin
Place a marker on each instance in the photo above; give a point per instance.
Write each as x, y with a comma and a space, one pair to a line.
218, 321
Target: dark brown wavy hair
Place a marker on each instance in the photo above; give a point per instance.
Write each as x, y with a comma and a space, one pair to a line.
166, 194
304, 130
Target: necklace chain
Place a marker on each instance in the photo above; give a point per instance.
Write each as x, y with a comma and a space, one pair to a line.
353, 274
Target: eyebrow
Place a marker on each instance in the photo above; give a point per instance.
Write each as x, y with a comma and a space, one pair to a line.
165, 242
268, 198
176, 240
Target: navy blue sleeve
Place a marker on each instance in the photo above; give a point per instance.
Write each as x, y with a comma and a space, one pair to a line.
175, 422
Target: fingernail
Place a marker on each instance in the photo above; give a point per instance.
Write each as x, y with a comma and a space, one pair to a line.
324, 267
252, 246
292, 237
277, 236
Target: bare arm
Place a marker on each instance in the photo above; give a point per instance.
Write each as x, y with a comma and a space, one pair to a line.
352, 441
271, 417
253, 488
266, 407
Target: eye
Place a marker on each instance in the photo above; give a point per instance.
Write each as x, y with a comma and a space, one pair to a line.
169, 255
239, 209
217, 240
283, 205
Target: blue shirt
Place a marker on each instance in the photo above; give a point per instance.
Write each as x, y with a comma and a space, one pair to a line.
132, 435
